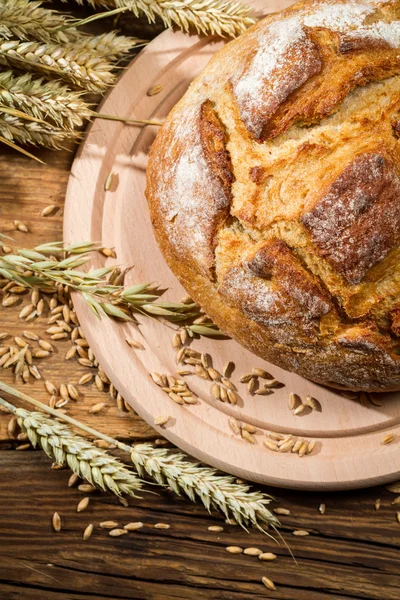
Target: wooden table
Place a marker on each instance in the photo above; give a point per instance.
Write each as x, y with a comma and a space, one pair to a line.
353, 550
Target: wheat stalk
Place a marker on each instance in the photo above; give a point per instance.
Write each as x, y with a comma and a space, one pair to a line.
220, 17
34, 268
45, 100
108, 45
65, 447
25, 20
197, 482
88, 71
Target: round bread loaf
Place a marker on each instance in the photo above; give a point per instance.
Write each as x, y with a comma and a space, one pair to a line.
274, 191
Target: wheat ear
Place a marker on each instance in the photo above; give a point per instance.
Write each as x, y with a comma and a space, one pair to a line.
197, 482
65, 447
34, 133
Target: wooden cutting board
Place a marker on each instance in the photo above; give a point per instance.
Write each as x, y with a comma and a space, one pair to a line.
349, 452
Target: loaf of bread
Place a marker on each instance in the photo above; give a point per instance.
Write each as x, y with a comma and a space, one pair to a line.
274, 191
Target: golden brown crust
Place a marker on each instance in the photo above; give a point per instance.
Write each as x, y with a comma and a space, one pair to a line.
274, 191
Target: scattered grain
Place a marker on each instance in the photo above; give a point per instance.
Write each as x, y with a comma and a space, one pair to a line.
215, 528
388, 439
83, 504
267, 556
133, 526
234, 549
281, 511
108, 524
56, 522
248, 436
161, 420
73, 480
252, 551
234, 425
300, 533
155, 89
162, 526
117, 532
268, 583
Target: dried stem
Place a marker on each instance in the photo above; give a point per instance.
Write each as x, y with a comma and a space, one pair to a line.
195, 481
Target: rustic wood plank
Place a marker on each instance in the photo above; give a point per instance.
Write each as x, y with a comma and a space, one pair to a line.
26, 187
352, 552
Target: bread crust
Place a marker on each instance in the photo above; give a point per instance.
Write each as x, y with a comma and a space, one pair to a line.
274, 191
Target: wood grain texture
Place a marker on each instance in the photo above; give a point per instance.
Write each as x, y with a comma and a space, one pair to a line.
352, 551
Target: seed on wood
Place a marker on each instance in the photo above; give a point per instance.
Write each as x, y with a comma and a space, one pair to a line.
108, 182
232, 397
267, 556
25, 312
246, 378
59, 336
86, 378
281, 511
72, 391
61, 403
268, 583
20, 342
300, 533
388, 439
85, 362
261, 373
191, 361
86, 487
228, 384
75, 334
234, 425
73, 480
177, 399
157, 379
287, 446
49, 210
40, 307
97, 408
180, 355
23, 447
46, 345
161, 420
155, 89
10, 300
184, 372
303, 449
88, 532
252, 551
32, 315
206, 360
117, 532
201, 372
271, 445
52, 401
310, 447
248, 436
4, 335
322, 508
40, 353
311, 402
82, 352
50, 387
162, 526
109, 252
234, 549
251, 385
273, 384
108, 524
249, 428
214, 374
134, 526
101, 444
66, 313
394, 488
396, 501
215, 390
191, 400
398, 517
300, 409
377, 504
293, 400
176, 341
56, 522
297, 445
12, 426
65, 327
64, 391
215, 528
20, 226
83, 504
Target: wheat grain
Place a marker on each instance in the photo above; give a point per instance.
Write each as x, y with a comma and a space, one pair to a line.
267, 556
108, 524
56, 522
234, 549
215, 528
268, 583
133, 526
252, 551
117, 532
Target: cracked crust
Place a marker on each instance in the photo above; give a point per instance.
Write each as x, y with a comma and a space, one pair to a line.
274, 191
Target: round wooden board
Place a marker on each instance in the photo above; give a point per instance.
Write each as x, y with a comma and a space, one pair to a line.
349, 452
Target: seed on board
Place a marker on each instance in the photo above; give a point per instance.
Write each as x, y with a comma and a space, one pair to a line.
234, 425
4, 335
271, 445
177, 399
299, 410
311, 446
273, 384
25, 312
261, 373
64, 391
297, 445
117, 532
234, 549
133, 526
303, 449
228, 384
215, 390
85, 362
223, 394
232, 397
59, 336
134, 344
394, 488
388, 439
20, 226
322, 508
228, 369
12, 426
162, 526
86, 487
72, 391
281, 511
252, 551
205, 360
109, 252
108, 524
251, 385
73, 480
161, 420
300, 532
83, 504
214, 374
86, 378
155, 89
49, 210
268, 583
287, 446
97, 408
215, 528
249, 428
267, 556
56, 522
46, 345
10, 301
157, 379
377, 504
248, 436
311, 402
293, 400
50, 387
88, 532
20, 342
202, 372
396, 501
176, 341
